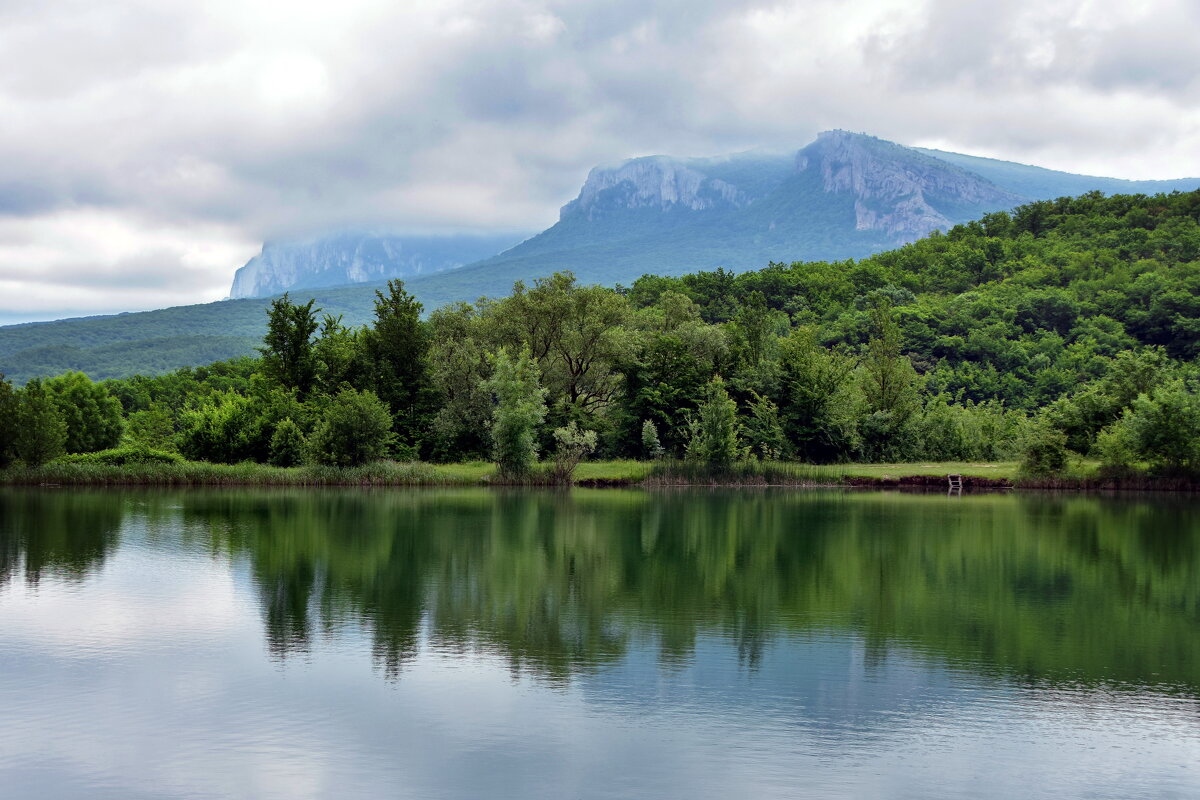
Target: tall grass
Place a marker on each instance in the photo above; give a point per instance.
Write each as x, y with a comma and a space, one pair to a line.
745, 473
194, 473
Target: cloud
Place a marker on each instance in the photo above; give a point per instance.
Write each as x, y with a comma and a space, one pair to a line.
234, 121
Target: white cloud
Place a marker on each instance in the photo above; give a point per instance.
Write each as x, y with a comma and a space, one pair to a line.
138, 131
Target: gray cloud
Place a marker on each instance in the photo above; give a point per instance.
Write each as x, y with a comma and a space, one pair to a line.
193, 132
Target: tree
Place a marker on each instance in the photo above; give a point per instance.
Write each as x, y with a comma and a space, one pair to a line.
288, 356
9, 405
520, 408
818, 402
356, 429
715, 436
651, 448
92, 415
339, 354
1164, 428
458, 370
889, 385
288, 444
573, 333
1044, 449
397, 350
41, 431
763, 431
572, 446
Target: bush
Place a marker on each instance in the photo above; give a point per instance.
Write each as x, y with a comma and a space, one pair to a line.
715, 434
41, 431
573, 445
288, 445
1044, 450
520, 409
357, 428
91, 414
1164, 429
120, 456
651, 447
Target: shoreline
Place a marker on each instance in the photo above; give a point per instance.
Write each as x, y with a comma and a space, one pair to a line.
593, 475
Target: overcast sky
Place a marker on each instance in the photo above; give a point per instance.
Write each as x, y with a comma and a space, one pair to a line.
147, 147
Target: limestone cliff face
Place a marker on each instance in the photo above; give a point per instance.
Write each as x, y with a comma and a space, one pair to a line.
349, 257
898, 191
655, 182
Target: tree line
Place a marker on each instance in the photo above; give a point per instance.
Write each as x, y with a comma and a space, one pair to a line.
1068, 326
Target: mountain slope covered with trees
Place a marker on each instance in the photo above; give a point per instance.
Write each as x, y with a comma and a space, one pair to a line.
843, 196
1068, 325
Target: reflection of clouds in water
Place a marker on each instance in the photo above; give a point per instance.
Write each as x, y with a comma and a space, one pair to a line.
130, 610
154, 675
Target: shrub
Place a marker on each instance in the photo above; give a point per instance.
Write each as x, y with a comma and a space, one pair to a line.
573, 445
41, 431
1164, 428
1044, 450
288, 445
651, 447
120, 456
715, 433
356, 428
92, 416
520, 409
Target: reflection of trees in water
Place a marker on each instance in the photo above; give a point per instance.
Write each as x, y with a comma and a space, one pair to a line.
60, 534
1050, 589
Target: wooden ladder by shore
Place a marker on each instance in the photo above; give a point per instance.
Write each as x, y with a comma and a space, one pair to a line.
956, 483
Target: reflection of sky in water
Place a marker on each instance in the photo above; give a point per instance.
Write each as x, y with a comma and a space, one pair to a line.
151, 678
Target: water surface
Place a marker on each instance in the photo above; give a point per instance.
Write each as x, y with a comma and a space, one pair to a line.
597, 644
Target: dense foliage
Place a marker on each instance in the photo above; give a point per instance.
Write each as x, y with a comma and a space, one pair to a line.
1067, 326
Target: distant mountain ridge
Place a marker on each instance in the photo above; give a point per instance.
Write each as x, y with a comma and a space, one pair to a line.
845, 195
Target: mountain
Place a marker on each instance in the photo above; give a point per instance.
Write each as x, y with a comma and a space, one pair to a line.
350, 256
845, 195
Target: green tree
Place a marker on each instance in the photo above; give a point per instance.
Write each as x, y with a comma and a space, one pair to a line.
520, 408
651, 447
288, 355
1164, 427
9, 405
715, 436
890, 389
459, 368
339, 354
818, 400
1044, 450
762, 429
288, 444
41, 431
356, 429
574, 333
92, 416
397, 350
572, 445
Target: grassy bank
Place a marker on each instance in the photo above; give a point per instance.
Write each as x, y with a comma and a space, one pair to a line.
385, 473
1082, 475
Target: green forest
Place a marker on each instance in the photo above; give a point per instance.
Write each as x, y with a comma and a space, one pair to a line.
1064, 329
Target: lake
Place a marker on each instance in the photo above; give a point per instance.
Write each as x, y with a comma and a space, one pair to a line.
598, 644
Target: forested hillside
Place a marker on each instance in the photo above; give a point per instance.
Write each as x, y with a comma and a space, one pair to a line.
1066, 324
843, 196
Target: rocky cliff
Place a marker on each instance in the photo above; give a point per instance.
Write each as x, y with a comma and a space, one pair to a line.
897, 190
349, 257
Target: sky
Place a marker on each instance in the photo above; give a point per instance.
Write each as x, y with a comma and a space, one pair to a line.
149, 147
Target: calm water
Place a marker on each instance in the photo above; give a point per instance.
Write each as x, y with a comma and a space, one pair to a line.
601, 644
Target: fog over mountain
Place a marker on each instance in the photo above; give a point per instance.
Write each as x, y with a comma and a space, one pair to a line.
150, 148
